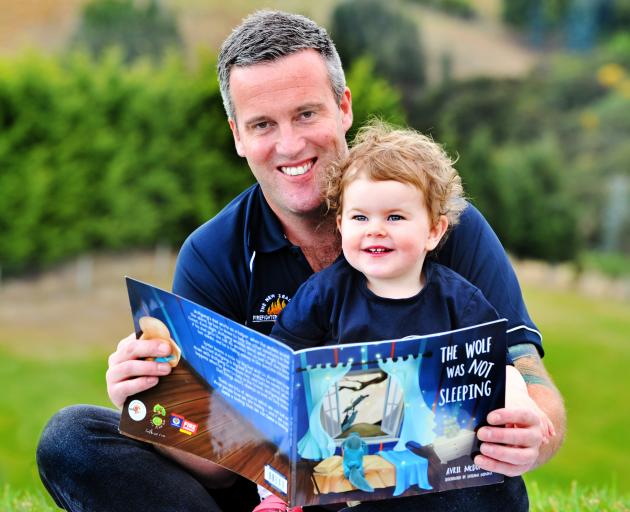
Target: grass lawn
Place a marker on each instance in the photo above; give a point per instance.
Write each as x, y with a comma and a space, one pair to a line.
588, 349
588, 354
32, 390
575, 499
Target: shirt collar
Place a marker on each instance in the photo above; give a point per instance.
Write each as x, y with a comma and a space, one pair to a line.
265, 231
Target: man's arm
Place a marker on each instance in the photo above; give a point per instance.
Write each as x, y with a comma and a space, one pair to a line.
518, 437
544, 392
474, 251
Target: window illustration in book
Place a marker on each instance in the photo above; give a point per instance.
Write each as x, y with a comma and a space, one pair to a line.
329, 424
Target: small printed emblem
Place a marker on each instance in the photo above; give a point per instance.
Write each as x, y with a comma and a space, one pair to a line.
271, 307
183, 425
159, 415
189, 428
137, 410
177, 420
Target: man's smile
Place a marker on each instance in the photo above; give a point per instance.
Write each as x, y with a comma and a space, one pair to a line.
297, 170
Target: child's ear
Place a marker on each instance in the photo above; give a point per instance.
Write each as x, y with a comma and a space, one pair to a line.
437, 232
339, 222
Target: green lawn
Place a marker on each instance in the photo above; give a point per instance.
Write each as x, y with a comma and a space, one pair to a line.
588, 353
574, 499
32, 390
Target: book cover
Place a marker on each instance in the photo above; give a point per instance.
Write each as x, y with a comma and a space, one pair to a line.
329, 424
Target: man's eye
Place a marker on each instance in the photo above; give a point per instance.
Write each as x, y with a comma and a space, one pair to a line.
261, 126
361, 218
395, 217
309, 114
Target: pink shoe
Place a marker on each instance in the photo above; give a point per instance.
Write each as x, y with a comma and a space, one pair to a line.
274, 504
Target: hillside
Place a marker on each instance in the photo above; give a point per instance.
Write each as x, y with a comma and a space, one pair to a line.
478, 47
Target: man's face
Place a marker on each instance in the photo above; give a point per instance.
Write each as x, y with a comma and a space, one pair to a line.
289, 127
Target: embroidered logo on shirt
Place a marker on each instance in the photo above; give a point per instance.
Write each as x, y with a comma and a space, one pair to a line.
271, 307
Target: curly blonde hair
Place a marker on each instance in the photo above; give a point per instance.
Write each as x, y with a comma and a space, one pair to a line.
381, 152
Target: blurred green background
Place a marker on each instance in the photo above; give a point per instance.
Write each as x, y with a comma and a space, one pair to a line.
114, 146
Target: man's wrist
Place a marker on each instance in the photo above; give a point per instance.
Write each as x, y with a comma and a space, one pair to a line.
543, 391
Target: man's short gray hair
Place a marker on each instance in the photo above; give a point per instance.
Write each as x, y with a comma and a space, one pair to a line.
268, 35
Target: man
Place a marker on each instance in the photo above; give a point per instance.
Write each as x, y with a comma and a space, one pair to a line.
288, 109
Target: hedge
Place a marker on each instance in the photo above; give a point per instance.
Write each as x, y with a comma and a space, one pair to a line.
98, 154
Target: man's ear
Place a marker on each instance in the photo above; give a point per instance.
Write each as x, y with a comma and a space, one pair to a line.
437, 232
237, 138
346, 109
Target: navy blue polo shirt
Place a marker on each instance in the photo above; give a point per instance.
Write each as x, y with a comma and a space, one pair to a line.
241, 265
335, 306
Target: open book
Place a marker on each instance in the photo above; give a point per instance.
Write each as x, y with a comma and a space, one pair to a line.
329, 424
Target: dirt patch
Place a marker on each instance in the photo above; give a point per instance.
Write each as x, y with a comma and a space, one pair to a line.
78, 309
478, 47
82, 307
37, 23
565, 277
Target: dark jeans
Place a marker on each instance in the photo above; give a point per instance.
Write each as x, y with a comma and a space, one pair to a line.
87, 465
510, 496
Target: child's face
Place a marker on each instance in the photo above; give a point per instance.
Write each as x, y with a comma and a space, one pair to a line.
386, 233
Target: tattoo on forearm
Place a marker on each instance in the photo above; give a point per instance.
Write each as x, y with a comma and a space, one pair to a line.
528, 362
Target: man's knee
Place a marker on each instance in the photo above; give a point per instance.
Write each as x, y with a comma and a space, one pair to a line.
66, 438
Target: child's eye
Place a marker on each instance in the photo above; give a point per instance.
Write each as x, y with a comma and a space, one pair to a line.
361, 218
395, 217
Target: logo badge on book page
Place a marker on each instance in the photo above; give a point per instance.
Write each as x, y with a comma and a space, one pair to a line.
177, 420
137, 410
159, 414
189, 427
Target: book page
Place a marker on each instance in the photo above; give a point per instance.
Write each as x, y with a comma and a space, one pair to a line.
227, 400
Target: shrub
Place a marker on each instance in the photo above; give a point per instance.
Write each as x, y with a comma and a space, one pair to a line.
461, 8
99, 155
377, 29
96, 154
372, 96
138, 28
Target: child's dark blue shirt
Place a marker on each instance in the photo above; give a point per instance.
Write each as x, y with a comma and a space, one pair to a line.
335, 306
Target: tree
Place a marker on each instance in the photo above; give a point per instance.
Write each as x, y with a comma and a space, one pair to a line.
372, 96
139, 28
374, 28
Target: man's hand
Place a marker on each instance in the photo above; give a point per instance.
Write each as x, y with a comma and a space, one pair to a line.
534, 430
129, 374
511, 443
517, 395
